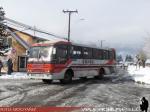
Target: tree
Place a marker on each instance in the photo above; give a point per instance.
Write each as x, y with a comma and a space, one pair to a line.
2, 25
142, 56
119, 58
129, 58
3, 32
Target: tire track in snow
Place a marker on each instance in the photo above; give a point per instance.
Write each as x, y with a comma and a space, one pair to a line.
11, 94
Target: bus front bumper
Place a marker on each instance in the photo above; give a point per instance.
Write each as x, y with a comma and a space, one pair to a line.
52, 76
40, 76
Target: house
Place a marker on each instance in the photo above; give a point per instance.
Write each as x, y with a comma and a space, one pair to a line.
18, 42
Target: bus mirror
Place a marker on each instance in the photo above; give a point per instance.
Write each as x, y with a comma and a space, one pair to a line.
27, 52
54, 51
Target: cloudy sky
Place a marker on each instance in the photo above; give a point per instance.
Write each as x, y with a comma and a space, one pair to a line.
123, 24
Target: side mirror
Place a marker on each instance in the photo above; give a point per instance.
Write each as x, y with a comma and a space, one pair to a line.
27, 52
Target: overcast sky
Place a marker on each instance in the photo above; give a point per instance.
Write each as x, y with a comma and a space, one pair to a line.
121, 23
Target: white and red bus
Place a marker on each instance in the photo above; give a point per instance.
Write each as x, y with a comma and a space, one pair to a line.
62, 60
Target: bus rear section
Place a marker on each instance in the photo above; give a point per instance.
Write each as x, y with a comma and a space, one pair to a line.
64, 61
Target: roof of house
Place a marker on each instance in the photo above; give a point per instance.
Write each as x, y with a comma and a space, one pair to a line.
14, 34
36, 37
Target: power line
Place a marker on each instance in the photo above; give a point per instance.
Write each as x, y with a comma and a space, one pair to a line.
69, 13
33, 28
3, 18
13, 25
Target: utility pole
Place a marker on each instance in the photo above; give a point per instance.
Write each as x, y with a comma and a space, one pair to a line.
102, 43
34, 30
69, 12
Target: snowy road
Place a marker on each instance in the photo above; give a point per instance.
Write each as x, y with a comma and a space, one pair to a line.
122, 93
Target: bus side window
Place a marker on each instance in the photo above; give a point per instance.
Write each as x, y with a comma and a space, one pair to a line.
61, 54
110, 55
76, 52
87, 53
114, 55
97, 54
105, 54
100, 54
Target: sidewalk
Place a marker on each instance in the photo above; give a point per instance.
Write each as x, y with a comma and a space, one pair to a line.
15, 75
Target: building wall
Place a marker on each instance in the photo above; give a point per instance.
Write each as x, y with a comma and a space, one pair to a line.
19, 50
26, 38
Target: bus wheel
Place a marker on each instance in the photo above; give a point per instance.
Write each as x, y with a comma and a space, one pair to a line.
101, 74
48, 81
67, 78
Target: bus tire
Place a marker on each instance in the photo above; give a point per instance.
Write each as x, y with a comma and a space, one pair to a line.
101, 74
67, 77
48, 81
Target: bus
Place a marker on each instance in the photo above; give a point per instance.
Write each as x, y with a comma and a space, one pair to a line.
63, 60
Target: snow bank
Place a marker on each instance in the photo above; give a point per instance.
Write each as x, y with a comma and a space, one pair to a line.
139, 75
15, 75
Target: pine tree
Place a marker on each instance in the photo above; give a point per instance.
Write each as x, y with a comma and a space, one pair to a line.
3, 33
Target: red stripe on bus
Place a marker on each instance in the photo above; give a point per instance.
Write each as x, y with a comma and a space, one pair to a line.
60, 67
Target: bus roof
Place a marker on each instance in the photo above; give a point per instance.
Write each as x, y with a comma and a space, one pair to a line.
59, 42
51, 42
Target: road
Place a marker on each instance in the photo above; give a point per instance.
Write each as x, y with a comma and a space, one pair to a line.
108, 92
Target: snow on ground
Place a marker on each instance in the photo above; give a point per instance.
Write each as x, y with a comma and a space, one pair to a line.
139, 74
15, 75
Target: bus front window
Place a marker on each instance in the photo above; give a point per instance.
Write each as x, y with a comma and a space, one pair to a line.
41, 53
34, 51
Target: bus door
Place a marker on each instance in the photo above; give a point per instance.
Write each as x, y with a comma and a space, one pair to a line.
61, 57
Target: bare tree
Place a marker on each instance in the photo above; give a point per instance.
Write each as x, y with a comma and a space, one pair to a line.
142, 58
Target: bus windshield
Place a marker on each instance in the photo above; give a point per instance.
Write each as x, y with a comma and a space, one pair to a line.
40, 53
